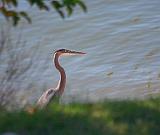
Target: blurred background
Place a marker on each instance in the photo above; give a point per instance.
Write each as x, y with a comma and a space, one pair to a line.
121, 39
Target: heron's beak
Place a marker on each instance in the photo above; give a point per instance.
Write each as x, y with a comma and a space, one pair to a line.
76, 53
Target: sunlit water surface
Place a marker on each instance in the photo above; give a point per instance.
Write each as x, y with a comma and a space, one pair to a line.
122, 42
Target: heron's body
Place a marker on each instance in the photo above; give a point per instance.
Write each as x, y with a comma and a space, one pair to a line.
51, 93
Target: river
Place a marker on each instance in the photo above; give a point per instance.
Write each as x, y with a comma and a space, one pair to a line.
122, 42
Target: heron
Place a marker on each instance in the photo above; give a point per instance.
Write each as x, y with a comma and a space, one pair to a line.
51, 93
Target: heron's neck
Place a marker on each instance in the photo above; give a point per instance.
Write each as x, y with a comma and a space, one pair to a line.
62, 82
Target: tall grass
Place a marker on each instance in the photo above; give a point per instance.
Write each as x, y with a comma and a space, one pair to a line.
14, 63
105, 118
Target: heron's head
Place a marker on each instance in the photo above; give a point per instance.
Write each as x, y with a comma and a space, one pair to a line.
68, 52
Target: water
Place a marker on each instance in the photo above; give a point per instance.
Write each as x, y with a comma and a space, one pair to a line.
122, 42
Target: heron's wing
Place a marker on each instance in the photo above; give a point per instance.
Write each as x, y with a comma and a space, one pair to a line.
46, 98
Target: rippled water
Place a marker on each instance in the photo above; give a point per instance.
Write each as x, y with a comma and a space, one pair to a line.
122, 42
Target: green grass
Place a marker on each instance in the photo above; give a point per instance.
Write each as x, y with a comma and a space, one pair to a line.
107, 118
